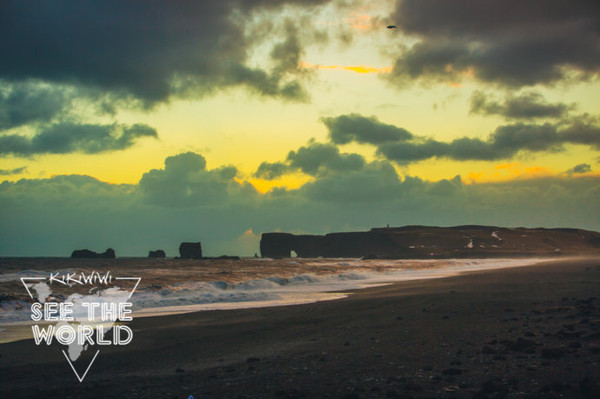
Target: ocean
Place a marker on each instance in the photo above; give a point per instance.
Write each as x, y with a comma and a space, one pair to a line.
172, 286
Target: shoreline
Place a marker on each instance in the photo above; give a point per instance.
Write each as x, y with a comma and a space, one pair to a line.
12, 331
519, 331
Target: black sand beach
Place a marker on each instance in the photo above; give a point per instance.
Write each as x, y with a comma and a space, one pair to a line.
526, 332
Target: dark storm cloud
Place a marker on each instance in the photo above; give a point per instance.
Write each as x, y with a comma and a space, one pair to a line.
34, 103
146, 49
313, 159
527, 105
374, 183
398, 145
315, 156
460, 149
15, 171
23, 103
405, 153
513, 43
63, 138
271, 170
581, 168
583, 130
505, 142
510, 139
185, 181
353, 127
287, 53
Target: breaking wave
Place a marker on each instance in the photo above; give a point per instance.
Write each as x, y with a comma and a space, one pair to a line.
189, 296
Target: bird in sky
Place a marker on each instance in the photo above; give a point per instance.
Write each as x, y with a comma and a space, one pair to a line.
391, 26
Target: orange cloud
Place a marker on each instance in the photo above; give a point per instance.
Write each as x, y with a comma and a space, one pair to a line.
509, 171
537, 170
352, 68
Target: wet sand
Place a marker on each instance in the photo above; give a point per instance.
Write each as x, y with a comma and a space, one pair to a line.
526, 332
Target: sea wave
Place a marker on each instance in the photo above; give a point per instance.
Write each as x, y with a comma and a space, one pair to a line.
277, 289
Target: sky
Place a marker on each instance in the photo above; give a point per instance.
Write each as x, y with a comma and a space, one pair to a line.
139, 125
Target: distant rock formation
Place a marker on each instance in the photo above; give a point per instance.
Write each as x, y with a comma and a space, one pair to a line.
87, 254
419, 242
159, 253
83, 253
190, 250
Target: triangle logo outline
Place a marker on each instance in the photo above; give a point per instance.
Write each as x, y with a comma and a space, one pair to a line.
80, 378
86, 370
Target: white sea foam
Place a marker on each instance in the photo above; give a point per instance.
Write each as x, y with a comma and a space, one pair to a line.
8, 277
191, 296
303, 288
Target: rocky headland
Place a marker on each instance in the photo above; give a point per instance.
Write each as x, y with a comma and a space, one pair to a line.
416, 242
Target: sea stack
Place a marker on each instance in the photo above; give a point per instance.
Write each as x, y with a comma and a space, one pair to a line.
159, 253
87, 254
190, 250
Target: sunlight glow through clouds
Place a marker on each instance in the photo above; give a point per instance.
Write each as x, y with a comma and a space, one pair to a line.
290, 182
509, 171
476, 92
352, 68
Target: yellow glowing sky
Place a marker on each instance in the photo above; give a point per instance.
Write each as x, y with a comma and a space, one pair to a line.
242, 129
